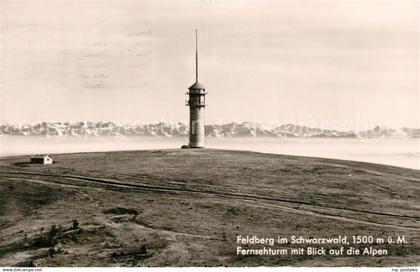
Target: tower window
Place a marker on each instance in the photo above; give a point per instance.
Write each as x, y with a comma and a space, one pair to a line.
193, 128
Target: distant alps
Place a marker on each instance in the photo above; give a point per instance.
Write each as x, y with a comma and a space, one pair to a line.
245, 129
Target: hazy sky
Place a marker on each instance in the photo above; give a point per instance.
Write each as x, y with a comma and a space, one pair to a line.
312, 62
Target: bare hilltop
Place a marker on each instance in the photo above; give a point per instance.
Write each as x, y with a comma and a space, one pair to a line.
188, 207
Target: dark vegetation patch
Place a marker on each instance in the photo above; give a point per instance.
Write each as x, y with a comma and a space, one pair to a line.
141, 222
56, 235
233, 211
132, 252
121, 211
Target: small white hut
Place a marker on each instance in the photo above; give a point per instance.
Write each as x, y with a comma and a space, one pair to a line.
42, 159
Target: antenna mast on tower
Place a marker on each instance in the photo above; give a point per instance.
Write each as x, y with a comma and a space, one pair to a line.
196, 56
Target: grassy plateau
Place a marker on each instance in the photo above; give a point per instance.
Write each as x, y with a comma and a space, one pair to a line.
187, 207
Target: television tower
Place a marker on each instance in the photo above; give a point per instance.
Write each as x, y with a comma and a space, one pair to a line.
197, 103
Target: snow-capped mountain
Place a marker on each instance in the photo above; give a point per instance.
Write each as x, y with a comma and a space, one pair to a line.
245, 129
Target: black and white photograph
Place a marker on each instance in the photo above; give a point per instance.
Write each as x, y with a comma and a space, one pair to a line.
210, 133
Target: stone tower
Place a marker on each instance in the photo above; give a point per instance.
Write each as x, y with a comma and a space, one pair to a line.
197, 103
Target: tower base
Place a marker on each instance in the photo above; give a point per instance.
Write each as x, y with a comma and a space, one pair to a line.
188, 146
196, 146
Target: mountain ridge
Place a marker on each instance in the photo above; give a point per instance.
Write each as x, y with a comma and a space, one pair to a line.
244, 129
233, 129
